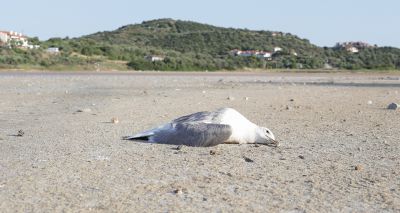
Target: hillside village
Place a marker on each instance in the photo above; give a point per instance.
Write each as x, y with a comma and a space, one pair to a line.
351, 47
259, 54
11, 38
354, 47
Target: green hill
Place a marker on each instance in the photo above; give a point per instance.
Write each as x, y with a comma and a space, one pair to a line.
186, 45
193, 46
186, 36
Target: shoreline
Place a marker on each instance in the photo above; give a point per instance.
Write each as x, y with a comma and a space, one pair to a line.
376, 79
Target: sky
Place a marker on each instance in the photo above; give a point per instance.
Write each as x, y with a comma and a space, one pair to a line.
323, 22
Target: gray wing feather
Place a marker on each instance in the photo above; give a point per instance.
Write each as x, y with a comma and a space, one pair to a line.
206, 117
194, 134
195, 117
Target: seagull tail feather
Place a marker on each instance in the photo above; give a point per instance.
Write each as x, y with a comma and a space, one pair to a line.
139, 136
145, 135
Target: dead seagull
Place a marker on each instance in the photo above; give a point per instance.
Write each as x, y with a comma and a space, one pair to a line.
204, 129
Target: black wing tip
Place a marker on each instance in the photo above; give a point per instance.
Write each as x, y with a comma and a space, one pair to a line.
126, 138
130, 138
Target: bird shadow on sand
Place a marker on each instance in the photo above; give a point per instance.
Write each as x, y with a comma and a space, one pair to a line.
180, 146
14, 135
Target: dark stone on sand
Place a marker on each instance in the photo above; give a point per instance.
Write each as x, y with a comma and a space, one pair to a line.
20, 133
393, 106
358, 168
248, 160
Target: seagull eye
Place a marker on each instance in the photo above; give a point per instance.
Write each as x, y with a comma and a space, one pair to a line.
267, 131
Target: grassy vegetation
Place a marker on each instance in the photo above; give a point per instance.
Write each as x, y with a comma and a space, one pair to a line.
191, 46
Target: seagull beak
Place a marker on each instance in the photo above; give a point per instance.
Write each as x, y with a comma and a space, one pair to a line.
271, 142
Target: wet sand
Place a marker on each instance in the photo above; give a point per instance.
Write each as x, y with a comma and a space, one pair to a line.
339, 144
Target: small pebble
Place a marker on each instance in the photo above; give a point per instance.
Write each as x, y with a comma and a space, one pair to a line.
231, 98
369, 102
288, 107
358, 168
292, 99
393, 106
84, 110
213, 152
114, 120
20, 133
301, 156
248, 159
246, 98
178, 191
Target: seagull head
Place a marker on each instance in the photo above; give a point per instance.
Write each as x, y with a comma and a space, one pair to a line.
266, 137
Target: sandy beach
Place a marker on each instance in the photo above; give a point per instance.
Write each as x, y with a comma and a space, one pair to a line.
339, 145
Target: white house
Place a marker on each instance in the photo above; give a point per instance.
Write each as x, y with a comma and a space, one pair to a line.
53, 50
3, 37
30, 46
17, 39
154, 58
263, 54
277, 49
352, 49
248, 53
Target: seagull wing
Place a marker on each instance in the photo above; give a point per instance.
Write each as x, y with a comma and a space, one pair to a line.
193, 134
196, 117
205, 117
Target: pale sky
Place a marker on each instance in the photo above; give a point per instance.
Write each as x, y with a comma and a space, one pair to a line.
323, 22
